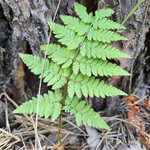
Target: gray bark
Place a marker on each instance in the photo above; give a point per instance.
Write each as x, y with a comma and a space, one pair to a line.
23, 28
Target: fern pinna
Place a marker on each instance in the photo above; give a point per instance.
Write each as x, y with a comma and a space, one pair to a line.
75, 64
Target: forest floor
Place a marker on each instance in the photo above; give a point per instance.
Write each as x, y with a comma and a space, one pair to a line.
129, 131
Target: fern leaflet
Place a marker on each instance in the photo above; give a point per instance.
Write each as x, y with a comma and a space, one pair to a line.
90, 86
49, 105
82, 13
75, 24
66, 36
52, 74
104, 36
106, 24
84, 114
101, 50
102, 13
97, 67
86, 66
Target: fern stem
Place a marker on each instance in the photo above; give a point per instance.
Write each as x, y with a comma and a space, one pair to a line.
131, 12
59, 128
65, 94
60, 116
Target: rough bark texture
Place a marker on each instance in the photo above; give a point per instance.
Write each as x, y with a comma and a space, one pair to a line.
23, 28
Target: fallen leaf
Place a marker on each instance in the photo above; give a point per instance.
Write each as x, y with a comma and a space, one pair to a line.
147, 103
130, 99
134, 109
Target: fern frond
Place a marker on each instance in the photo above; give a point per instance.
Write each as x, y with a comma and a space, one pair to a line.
93, 49
50, 48
84, 114
86, 66
34, 63
97, 67
66, 36
102, 13
49, 105
82, 13
106, 24
82, 56
60, 55
105, 36
75, 24
52, 73
90, 86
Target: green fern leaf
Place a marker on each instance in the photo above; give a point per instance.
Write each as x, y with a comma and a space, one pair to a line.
82, 13
82, 68
59, 83
71, 89
66, 36
104, 36
60, 55
91, 86
33, 63
54, 80
76, 68
106, 24
56, 111
52, 73
102, 13
84, 114
85, 90
75, 24
98, 67
78, 89
49, 105
78, 119
73, 103
101, 50
51, 49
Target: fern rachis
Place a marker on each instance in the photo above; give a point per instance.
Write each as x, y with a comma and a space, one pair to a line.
75, 66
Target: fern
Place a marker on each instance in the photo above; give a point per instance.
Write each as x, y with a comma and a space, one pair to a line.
100, 50
90, 86
75, 24
74, 65
86, 66
52, 74
50, 105
66, 36
102, 13
83, 113
82, 13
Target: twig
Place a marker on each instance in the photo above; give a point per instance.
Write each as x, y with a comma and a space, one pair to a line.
24, 145
37, 140
75, 126
6, 95
97, 148
9, 134
6, 116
